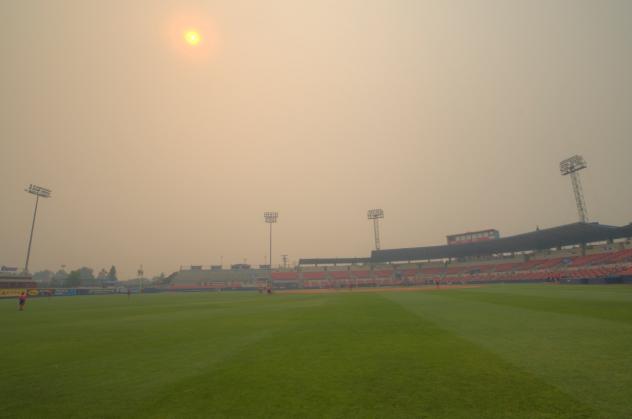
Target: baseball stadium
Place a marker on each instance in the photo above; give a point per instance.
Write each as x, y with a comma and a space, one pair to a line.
580, 253
316, 209
531, 325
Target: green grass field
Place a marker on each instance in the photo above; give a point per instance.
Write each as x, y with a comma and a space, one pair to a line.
528, 351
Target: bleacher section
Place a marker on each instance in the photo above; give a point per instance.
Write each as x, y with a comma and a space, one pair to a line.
284, 276
596, 267
197, 278
609, 262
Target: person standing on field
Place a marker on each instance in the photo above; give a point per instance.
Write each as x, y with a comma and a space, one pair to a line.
22, 300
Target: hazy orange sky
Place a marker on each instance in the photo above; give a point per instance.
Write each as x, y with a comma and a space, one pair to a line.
449, 115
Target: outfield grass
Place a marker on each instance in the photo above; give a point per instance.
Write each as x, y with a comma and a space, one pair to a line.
533, 351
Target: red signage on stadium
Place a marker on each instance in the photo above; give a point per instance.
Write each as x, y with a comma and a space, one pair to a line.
477, 236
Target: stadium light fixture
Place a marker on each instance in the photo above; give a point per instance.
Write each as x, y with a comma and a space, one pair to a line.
141, 275
39, 192
375, 215
270, 217
572, 166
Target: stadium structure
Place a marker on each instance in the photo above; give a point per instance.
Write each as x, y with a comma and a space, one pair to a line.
582, 252
574, 253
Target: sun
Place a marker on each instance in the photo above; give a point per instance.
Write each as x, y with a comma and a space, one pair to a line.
192, 38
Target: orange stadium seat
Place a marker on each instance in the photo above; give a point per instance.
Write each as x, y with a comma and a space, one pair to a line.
340, 274
284, 276
314, 275
383, 273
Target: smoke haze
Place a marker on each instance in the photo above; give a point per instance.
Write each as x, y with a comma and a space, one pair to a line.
452, 116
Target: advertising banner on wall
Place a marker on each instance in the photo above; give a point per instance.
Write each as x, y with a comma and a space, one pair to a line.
94, 291
11, 292
100, 291
65, 292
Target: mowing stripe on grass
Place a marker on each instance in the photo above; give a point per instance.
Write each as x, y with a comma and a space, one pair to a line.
249, 355
584, 355
363, 356
612, 304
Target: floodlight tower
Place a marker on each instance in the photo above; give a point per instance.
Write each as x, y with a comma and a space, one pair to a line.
375, 215
141, 274
271, 218
572, 166
38, 191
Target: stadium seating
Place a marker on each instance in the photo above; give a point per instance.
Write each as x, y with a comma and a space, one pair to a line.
284, 276
503, 267
589, 259
432, 271
409, 272
604, 262
361, 274
619, 257
551, 263
383, 273
314, 275
340, 274
626, 272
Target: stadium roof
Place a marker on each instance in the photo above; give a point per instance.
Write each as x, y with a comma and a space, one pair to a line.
566, 235
333, 261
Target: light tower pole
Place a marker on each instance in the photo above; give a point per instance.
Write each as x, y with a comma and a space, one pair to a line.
572, 166
38, 191
375, 215
270, 218
141, 274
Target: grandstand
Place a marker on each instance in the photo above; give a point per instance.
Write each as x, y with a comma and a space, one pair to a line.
198, 277
575, 253
578, 253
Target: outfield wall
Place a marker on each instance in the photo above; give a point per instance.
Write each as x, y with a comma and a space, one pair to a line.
54, 292
8, 293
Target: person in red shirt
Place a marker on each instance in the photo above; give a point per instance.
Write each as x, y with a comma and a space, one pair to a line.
22, 300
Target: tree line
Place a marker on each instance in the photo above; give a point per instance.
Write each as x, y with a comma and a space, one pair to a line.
85, 277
